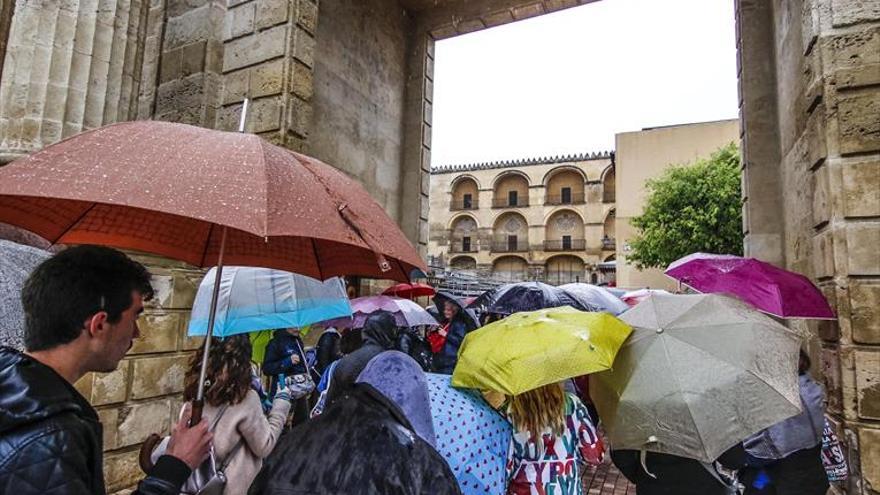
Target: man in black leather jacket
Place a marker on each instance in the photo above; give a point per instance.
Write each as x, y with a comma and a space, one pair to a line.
81, 309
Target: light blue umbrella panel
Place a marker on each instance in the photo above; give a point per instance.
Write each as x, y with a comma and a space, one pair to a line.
471, 436
254, 299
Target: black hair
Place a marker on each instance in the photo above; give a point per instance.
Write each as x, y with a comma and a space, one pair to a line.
66, 289
804, 362
351, 341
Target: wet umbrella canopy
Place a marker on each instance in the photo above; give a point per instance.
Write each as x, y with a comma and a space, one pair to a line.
16, 263
527, 296
699, 374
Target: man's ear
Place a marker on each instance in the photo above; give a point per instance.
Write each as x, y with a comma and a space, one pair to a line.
96, 325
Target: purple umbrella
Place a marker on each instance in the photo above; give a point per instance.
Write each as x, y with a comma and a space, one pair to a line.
770, 289
406, 313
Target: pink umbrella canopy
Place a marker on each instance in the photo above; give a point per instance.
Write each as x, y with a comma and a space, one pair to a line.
770, 289
406, 313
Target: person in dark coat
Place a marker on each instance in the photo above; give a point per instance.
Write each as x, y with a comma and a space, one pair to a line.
367, 442
285, 357
379, 334
411, 343
455, 330
674, 475
785, 459
81, 309
327, 350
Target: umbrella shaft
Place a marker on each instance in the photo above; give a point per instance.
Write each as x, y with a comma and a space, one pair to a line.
211, 315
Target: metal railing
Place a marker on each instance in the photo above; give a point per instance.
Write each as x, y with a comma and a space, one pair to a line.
575, 198
458, 247
561, 245
609, 243
505, 203
509, 247
464, 205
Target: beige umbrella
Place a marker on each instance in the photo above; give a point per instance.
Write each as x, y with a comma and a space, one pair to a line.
698, 374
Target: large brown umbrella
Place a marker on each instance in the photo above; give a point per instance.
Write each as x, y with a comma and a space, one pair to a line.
205, 197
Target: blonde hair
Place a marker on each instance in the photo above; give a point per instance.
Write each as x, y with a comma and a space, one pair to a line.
538, 409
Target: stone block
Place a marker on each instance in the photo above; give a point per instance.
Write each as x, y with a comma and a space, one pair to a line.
302, 83
861, 183
121, 470
865, 312
869, 441
108, 388
228, 117
158, 333
307, 15
829, 330
498, 18
156, 376
271, 12
443, 32
235, 86
108, 419
264, 114
304, 47
526, 11
267, 79
846, 12
863, 257
868, 383
859, 127
254, 49
469, 26
853, 49
189, 27
429, 90
174, 8
192, 58
821, 197
830, 366
137, 421
426, 136
428, 112
185, 285
300, 117
239, 21
823, 255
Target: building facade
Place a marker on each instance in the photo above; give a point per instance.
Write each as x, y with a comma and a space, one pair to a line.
644, 155
548, 219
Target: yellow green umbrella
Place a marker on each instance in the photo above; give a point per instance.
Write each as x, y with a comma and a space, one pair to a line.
529, 350
259, 342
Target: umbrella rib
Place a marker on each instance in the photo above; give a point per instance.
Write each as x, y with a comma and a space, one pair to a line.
317, 260
75, 222
681, 393
207, 243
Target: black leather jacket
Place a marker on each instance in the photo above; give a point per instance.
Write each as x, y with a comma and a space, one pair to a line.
50, 437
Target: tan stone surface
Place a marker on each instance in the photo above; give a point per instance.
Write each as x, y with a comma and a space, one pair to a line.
155, 376
109, 388
240, 20
861, 182
121, 470
272, 12
862, 240
869, 443
109, 421
865, 304
859, 129
868, 383
137, 421
253, 49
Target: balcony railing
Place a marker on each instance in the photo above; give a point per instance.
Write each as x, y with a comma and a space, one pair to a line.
609, 197
561, 245
571, 199
609, 243
510, 247
464, 205
457, 247
505, 203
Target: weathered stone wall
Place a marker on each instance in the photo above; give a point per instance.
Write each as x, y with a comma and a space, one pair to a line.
811, 135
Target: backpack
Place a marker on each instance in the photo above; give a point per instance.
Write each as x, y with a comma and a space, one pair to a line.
419, 348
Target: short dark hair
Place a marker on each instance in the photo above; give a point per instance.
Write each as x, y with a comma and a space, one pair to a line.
74, 284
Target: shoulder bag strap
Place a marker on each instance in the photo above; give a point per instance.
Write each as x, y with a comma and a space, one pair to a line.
231, 455
217, 419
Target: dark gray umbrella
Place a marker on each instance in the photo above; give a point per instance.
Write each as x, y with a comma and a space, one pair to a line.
16, 263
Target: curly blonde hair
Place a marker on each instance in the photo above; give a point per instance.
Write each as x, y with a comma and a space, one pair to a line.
541, 408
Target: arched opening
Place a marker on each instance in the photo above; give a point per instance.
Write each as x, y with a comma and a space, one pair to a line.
608, 192
565, 187
511, 190
510, 268
564, 231
510, 234
564, 270
608, 231
463, 235
608, 271
463, 263
465, 194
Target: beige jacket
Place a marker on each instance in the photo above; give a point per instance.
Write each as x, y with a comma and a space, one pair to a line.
246, 421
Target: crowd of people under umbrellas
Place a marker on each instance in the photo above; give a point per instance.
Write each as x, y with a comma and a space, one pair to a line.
686, 387
354, 415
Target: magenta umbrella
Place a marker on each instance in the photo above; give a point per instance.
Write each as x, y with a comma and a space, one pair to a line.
770, 289
406, 313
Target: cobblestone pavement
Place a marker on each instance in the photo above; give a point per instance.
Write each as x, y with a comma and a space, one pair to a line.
606, 480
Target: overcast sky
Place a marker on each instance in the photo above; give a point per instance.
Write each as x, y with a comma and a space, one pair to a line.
566, 82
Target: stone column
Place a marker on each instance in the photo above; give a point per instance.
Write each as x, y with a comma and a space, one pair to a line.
69, 66
269, 57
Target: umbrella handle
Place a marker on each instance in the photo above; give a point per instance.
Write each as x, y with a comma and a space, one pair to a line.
198, 405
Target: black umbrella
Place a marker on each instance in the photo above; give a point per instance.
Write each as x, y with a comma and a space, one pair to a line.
527, 296
468, 316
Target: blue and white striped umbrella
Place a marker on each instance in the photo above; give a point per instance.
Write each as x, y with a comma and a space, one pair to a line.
254, 299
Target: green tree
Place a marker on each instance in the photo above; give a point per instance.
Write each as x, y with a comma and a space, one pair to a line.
691, 208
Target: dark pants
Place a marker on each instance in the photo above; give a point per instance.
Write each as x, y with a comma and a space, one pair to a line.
801, 473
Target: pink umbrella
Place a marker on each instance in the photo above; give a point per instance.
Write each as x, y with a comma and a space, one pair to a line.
634, 297
770, 289
406, 313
